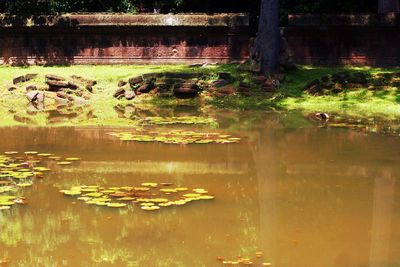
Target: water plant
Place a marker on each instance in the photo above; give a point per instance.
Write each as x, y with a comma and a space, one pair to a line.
177, 137
18, 171
177, 120
149, 198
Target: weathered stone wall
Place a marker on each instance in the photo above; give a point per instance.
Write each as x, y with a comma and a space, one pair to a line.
120, 39
345, 39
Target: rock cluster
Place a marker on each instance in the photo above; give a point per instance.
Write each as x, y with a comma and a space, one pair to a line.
191, 84
180, 85
55, 89
346, 80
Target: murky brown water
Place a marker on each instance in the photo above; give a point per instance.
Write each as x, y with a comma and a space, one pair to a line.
302, 195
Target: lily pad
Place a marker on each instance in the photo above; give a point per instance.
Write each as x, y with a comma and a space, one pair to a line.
72, 159
64, 163
150, 208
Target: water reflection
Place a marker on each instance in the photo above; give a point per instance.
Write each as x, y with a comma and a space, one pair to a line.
303, 195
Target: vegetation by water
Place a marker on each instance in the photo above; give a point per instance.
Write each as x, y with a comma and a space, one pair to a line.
103, 109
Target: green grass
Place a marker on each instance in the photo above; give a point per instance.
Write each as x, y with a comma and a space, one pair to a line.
100, 109
359, 103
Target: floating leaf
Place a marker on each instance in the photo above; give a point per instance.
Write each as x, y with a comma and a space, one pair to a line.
45, 154
200, 191
145, 197
150, 208
72, 159
64, 163
149, 184
178, 137
31, 152
11, 152
206, 197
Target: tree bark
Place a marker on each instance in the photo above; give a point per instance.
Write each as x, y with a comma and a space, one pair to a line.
387, 6
267, 44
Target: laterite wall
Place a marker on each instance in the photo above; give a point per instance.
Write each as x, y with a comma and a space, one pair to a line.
124, 39
348, 39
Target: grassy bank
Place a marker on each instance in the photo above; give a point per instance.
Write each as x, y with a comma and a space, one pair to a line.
357, 102
100, 109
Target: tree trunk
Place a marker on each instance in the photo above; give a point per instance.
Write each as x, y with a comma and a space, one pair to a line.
267, 44
387, 6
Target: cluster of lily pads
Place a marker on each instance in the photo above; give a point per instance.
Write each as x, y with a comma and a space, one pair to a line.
177, 137
177, 120
149, 196
18, 170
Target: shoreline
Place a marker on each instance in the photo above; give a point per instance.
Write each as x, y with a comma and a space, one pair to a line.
101, 107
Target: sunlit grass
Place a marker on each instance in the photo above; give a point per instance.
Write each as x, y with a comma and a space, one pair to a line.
291, 96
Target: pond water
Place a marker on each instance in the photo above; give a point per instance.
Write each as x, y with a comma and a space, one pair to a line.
302, 195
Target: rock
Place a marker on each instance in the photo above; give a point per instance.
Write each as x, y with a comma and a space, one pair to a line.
322, 116
55, 77
53, 98
56, 85
89, 88
129, 95
23, 119
270, 86
79, 100
314, 89
220, 83
341, 77
186, 90
72, 85
87, 82
328, 85
35, 96
134, 80
32, 96
326, 78
260, 79
380, 82
122, 83
31, 87
313, 82
244, 89
119, 92
224, 75
145, 88
11, 88
62, 95
226, 90
359, 78
24, 78
120, 111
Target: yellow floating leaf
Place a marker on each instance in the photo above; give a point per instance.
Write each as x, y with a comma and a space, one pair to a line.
149, 184
150, 208
64, 163
72, 159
